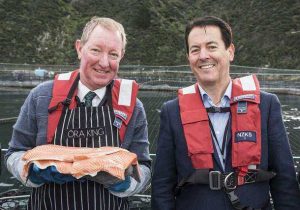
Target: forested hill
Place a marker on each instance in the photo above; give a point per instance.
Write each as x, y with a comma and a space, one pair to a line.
266, 32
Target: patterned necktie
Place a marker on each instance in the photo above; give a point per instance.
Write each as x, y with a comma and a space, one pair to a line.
89, 98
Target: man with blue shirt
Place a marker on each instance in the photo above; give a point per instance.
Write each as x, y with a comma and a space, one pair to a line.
222, 142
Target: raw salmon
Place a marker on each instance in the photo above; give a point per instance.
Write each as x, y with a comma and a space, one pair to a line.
82, 161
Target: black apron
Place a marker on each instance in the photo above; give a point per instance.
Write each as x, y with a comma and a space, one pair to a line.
82, 127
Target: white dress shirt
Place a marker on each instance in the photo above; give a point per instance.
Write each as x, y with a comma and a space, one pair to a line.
83, 90
218, 120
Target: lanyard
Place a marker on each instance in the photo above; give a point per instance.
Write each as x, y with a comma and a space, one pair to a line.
225, 137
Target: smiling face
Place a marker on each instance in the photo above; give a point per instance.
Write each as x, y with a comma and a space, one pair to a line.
100, 57
208, 57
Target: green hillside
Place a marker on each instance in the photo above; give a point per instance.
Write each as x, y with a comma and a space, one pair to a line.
266, 33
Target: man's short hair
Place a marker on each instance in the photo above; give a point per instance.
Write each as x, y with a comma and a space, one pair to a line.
209, 21
107, 23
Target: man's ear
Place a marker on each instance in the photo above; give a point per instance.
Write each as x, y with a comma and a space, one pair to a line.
187, 57
78, 48
231, 50
122, 55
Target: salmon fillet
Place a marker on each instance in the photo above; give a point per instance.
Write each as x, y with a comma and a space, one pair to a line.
81, 161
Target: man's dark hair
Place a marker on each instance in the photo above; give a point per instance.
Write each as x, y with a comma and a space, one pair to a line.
209, 21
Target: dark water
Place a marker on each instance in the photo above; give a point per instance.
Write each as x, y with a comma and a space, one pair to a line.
11, 101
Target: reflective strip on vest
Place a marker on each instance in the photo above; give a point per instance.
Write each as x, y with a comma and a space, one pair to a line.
125, 92
64, 76
248, 83
189, 90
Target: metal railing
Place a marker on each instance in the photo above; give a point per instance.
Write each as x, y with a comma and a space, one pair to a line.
172, 76
139, 201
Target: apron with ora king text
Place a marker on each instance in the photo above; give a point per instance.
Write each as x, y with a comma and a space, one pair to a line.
82, 127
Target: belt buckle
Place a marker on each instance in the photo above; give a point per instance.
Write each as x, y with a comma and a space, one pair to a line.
230, 181
215, 180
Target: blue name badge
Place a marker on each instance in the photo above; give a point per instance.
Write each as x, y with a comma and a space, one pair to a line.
117, 122
242, 107
245, 136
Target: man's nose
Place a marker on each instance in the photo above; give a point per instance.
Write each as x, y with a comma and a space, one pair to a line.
204, 54
103, 60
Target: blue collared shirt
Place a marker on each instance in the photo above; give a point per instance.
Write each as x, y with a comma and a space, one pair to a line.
218, 120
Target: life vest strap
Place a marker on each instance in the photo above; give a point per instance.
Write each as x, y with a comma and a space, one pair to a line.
67, 101
235, 201
215, 109
228, 181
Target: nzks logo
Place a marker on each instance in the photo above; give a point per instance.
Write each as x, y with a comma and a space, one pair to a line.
245, 136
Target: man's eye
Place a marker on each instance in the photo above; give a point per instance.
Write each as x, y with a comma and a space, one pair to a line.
212, 47
194, 50
114, 55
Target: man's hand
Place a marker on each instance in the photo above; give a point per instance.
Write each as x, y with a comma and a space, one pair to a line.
121, 186
48, 175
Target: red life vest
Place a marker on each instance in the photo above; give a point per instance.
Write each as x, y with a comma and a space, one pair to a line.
245, 127
124, 93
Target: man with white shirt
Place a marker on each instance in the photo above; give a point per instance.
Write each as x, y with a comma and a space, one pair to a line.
222, 143
85, 100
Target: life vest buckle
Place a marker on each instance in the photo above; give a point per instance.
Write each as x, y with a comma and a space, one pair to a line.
66, 102
230, 181
215, 180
